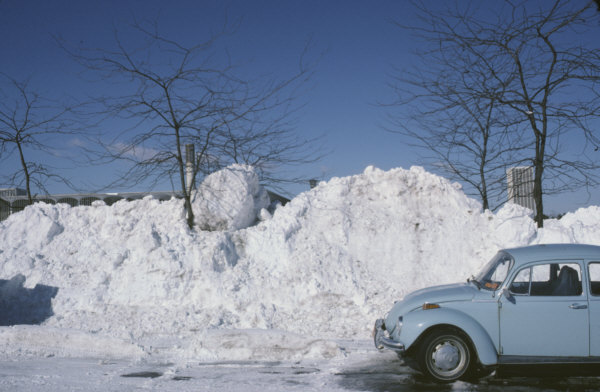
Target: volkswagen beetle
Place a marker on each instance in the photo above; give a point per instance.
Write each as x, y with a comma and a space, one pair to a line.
531, 305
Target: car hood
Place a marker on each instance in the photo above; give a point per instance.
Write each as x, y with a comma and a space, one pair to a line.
435, 294
445, 293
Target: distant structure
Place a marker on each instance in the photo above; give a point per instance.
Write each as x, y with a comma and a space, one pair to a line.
15, 199
12, 192
7, 194
520, 186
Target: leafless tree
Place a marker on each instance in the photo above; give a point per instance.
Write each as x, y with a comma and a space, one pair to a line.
168, 94
29, 128
532, 62
454, 119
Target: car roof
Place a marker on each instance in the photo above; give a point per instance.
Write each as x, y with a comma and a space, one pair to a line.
554, 252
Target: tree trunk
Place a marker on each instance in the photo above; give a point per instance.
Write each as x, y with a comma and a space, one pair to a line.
25, 171
186, 195
537, 193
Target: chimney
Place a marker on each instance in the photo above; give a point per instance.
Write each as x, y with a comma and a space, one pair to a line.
190, 166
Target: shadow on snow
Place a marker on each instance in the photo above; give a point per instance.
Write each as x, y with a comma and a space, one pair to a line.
20, 305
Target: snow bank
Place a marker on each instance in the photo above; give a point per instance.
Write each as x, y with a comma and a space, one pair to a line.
244, 345
581, 226
33, 340
323, 266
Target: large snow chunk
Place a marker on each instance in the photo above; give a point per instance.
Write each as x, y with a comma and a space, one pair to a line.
229, 199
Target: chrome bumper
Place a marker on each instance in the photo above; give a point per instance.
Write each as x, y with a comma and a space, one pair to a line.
382, 340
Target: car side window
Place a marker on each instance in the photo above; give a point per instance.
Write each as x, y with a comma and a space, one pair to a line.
520, 285
541, 280
594, 273
551, 279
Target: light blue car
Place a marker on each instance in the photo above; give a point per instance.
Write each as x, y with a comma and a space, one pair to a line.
532, 305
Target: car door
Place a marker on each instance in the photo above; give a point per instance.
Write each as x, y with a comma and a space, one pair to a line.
546, 313
594, 301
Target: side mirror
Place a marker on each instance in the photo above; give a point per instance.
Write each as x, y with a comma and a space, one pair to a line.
507, 294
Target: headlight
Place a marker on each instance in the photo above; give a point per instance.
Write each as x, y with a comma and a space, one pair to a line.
399, 325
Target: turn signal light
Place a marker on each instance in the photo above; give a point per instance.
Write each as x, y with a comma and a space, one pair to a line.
427, 306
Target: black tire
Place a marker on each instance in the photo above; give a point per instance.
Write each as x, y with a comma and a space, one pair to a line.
479, 371
445, 356
412, 363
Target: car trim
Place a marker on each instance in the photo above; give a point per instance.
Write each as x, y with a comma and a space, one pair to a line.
382, 341
392, 345
531, 360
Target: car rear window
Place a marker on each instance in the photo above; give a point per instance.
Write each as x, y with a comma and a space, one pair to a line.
594, 273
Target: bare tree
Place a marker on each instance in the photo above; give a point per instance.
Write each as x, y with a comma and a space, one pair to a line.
170, 94
454, 119
29, 127
544, 79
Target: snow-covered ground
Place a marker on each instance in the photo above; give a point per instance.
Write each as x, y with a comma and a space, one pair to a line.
131, 282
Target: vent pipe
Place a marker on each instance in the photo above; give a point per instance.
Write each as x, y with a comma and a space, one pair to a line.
190, 166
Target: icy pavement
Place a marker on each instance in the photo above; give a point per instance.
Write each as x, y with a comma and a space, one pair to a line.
362, 368
60, 374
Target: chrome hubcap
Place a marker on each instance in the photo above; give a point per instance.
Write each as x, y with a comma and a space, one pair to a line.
446, 356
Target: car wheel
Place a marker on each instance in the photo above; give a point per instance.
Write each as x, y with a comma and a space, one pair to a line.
444, 356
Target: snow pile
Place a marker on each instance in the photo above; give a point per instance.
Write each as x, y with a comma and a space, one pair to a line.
229, 199
581, 226
339, 254
324, 266
48, 341
513, 226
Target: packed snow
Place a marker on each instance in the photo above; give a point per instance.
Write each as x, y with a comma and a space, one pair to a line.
131, 280
230, 199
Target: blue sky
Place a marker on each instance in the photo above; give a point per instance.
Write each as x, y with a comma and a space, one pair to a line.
359, 42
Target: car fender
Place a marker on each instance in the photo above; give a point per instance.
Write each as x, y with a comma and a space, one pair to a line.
417, 322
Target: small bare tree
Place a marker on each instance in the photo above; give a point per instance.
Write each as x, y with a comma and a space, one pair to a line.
170, 94
29, 128
544, 79
454, 119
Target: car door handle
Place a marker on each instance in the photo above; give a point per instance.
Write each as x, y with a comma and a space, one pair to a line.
577, 306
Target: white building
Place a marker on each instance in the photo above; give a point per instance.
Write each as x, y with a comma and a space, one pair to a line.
520, 186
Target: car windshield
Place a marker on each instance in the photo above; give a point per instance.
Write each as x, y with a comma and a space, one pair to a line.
494, 272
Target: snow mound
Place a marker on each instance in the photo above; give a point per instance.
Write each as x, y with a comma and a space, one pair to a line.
33, 340
325, 265
581, 226
514, 226
230, 199
257, 345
